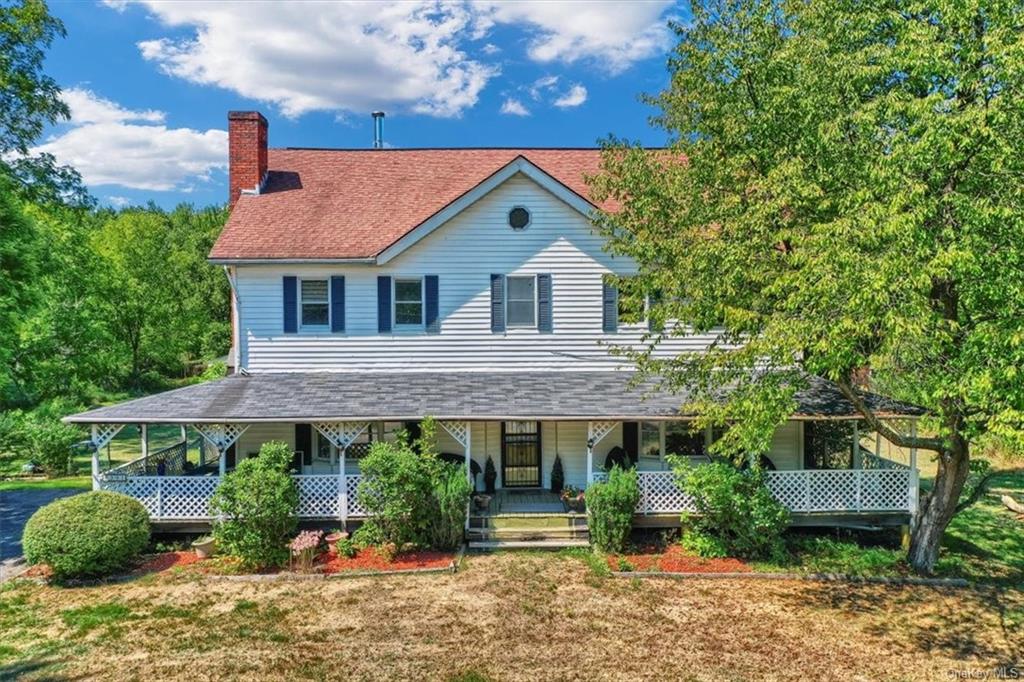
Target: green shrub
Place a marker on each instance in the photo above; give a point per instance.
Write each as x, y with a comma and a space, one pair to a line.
46, 439
256, 506
733, 507
412, 496
92, 534
610, 507
703, 544
557, 476
451, 492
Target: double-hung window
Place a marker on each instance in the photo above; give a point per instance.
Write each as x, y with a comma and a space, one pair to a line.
521, 301
315, 304
409, 302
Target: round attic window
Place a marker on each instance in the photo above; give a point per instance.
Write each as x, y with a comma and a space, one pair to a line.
518, 218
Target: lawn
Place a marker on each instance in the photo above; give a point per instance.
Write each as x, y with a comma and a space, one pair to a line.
505, 617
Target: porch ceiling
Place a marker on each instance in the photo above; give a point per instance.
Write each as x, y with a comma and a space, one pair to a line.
324, 396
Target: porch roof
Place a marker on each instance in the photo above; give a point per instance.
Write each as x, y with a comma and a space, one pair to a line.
324, 396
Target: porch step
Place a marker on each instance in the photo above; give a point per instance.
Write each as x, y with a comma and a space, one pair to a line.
492, 545
526, 534
528, 521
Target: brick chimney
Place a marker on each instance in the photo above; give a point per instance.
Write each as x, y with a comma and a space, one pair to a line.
247, 153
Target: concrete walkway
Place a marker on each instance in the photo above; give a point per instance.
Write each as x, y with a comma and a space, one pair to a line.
16, 506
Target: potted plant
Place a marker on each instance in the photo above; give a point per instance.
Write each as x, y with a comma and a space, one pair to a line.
490, 476
333, 538
482, 502
204, 546
557, 476
573, 498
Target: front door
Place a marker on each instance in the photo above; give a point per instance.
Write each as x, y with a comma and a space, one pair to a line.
520, 454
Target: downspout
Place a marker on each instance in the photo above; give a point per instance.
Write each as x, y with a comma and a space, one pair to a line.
236, 337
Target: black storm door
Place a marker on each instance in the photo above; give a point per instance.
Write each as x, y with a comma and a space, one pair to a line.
520, 454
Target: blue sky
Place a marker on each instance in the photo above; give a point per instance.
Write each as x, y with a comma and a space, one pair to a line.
150, 84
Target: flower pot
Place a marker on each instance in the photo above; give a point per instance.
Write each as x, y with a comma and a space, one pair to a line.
482, 502
575, 504
333, 539
204, 547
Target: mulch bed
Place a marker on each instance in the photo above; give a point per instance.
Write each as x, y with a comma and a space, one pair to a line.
675, 559
165, 561
369, 559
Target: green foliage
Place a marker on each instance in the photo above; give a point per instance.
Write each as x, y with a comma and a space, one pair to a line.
703, 544
255, 505
18, 267
734, 511
557, 476
490, 475
48, 441
610, 507
91, 534
347, 547
451, 492
850, 173
412, 496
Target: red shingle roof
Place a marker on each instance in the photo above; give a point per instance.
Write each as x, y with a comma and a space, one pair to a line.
324, 203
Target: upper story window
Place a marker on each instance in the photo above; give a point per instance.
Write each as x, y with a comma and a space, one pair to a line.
409, 302
315, 304
518, 218
521, 305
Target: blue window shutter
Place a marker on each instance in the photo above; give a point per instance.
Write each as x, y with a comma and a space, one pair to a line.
430, 306
544, 321
384, 304
291, 305
337, 303
609, 307
497, 303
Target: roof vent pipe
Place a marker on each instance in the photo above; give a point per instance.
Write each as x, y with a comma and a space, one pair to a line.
378, 130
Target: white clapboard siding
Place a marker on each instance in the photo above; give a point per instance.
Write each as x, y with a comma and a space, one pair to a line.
463, 253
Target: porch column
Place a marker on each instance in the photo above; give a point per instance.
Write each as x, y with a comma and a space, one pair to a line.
342, 489
461, 432
184, 433
221, 437
915, 489
144, 438
222, 455
95, 459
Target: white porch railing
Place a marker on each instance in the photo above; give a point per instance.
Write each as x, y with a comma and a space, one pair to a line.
173, 458
187, 498
883, 489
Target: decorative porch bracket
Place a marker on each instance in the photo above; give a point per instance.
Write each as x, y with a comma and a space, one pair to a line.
341, 435
221, 436
596, 432
459, 431
102, 434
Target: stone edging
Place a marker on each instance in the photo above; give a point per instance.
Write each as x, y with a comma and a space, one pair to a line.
815, 577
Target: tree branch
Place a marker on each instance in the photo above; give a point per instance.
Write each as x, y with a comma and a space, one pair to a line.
889, 433
978, 491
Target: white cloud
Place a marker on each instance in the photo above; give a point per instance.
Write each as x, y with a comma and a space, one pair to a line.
111, 145
514, 107
420, 56
352, 57
118, 201
615, 34
541, 85
576, 96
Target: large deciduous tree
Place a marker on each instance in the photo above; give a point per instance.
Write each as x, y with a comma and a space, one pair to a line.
844, 190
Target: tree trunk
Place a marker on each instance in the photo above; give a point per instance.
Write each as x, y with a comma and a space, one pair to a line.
939, 506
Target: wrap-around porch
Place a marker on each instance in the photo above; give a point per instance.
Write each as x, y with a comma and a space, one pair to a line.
849, 477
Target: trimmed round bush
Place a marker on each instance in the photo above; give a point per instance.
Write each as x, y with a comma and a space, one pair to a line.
87, 535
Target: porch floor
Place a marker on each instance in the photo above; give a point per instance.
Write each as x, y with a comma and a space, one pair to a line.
524, 501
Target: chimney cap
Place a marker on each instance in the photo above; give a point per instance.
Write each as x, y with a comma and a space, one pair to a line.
377, 114
246, 116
